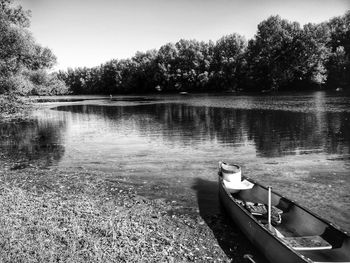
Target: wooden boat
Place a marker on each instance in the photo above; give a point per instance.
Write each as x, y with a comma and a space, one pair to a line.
295, 235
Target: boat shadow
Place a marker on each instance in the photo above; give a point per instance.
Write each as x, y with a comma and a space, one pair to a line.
229, 237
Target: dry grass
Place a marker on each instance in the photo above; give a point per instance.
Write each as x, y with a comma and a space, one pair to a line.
78, 228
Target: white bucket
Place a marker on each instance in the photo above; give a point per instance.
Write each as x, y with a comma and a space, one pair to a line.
231, 172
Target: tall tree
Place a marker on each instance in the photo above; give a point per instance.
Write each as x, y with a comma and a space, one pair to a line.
146, 68
18, 50
228, 59
338, 65
284, 56
166, 75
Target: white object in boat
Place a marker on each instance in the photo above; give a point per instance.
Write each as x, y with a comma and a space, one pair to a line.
233, 187
231, 172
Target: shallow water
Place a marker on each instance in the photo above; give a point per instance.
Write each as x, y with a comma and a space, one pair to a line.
170, 145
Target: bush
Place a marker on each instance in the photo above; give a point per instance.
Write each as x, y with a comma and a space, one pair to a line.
15, 84
33, 82
10, 105
46, 84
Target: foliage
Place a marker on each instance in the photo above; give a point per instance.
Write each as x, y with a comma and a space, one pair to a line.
338, 65
11, 107
15, 15
228, 61
45, 84
282, 56
33, 82
20, 54
184, 65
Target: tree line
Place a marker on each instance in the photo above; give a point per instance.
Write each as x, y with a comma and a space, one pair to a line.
282, 56
24, 62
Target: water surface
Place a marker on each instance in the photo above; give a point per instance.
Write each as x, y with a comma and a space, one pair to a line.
299, 144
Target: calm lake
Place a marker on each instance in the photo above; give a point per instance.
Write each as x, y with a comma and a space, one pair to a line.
170, 146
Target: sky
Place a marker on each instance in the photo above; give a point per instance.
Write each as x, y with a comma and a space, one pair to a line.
91, 32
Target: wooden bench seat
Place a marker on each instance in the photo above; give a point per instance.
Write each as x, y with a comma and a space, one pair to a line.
307, 243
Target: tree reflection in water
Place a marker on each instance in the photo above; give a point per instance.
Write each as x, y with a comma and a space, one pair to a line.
34, 142
273, 133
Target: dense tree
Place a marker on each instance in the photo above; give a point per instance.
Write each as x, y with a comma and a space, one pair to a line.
41, 58
282, 56
144, 69
16, 45
228, 61
192, 65
338, 65
315, 53
166, 73
108, 73
21, 56
15, 15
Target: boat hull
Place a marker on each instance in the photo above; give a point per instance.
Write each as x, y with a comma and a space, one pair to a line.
263, 239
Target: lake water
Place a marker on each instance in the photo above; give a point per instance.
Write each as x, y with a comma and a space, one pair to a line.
170, 146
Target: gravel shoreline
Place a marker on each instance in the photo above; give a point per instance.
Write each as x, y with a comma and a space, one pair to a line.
57, 214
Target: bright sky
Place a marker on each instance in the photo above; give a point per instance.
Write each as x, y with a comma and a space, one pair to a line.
91, 32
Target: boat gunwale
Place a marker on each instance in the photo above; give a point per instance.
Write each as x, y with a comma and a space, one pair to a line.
257, 223
280, 241
327, 222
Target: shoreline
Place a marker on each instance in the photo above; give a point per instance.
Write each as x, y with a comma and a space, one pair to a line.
81, 215
15, 108
30, 179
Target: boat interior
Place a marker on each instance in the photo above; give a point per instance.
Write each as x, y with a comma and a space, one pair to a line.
297, 227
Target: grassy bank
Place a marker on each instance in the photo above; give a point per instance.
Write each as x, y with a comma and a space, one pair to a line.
13, 107
69, 215
80, 228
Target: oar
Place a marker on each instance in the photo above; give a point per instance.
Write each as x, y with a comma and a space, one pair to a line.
269, 208
249, 257
269, 224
